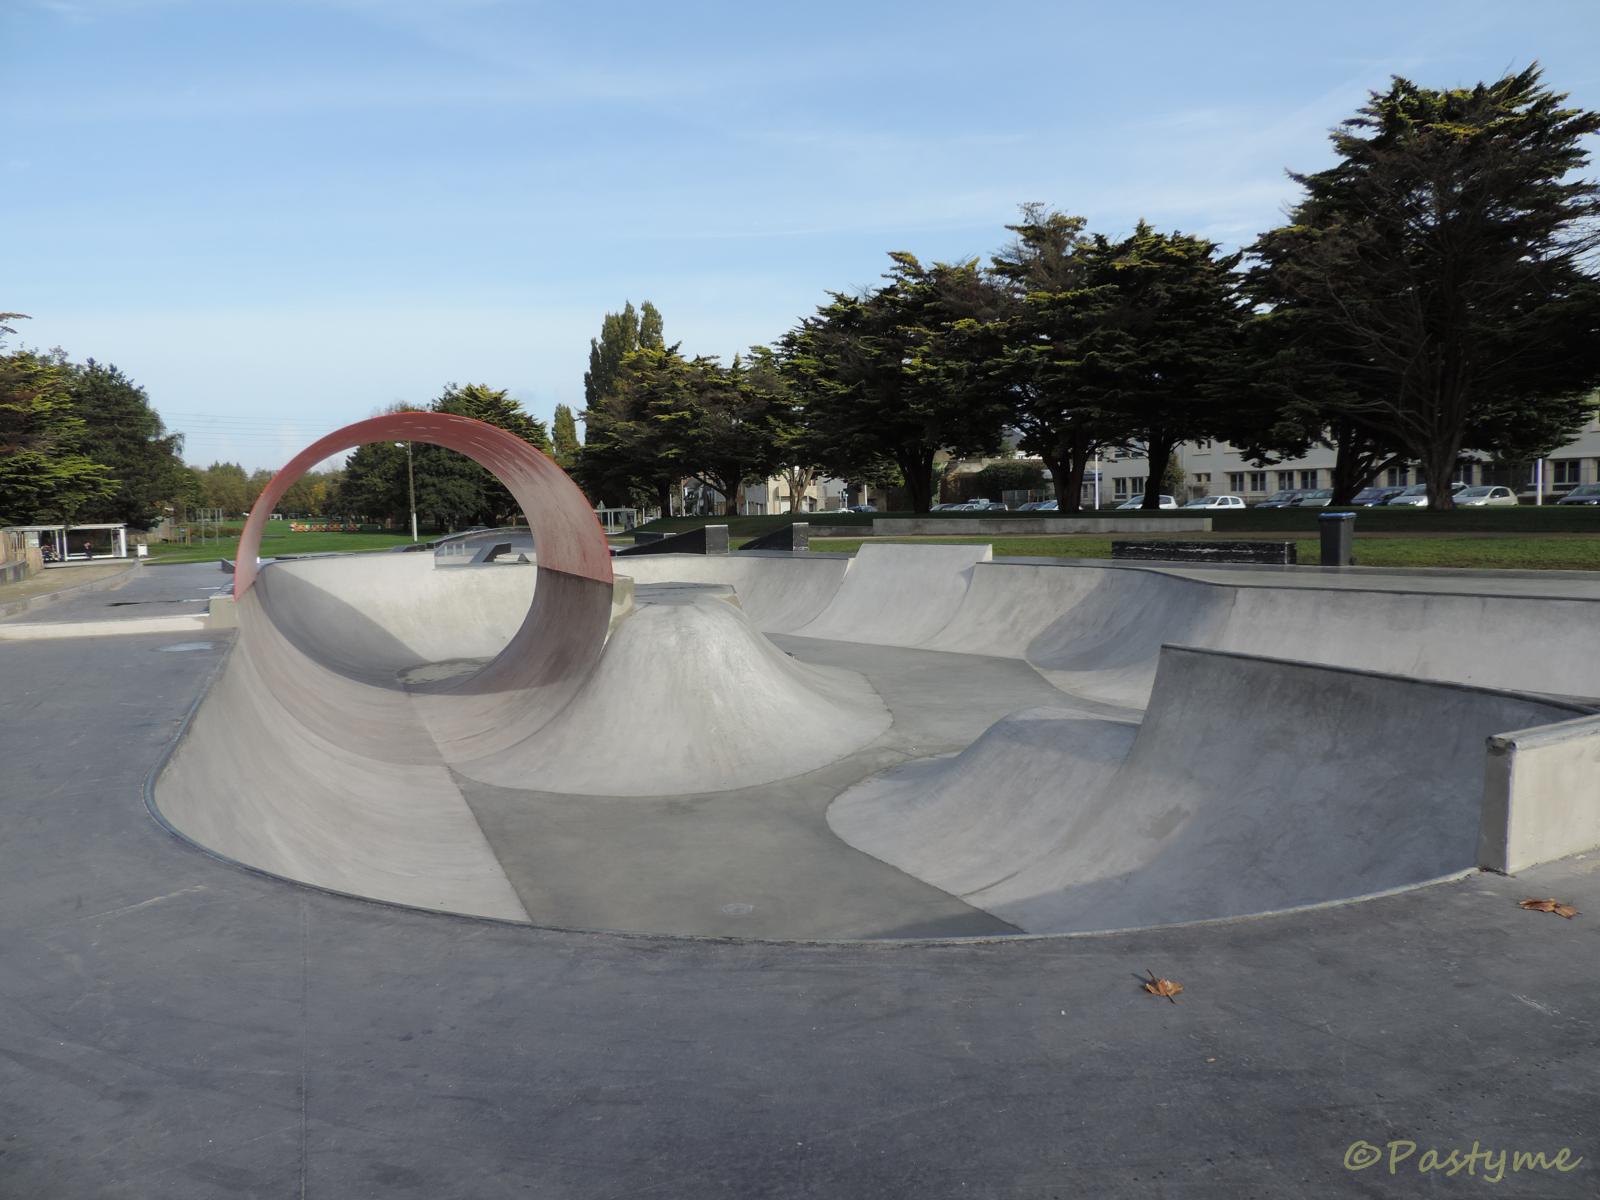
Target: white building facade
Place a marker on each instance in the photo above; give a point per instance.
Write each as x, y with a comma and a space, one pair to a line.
1218, 469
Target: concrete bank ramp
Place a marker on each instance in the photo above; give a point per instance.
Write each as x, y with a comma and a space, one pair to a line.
1253, 784
689, 697
896, 595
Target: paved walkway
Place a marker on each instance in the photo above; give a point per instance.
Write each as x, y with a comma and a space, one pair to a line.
177, 1027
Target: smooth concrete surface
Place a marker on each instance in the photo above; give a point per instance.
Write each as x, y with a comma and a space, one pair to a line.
1542, 795
895, 595
1250, 785
176, 1027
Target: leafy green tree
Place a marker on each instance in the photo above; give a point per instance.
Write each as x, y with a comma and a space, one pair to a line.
227, 486
1443, 264
902, 372
45, 474
122, 431
564, 438
797, 452
718, 424
636, 443
1158, 325
1064, 424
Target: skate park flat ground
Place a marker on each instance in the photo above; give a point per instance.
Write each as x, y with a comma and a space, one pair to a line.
180, 1027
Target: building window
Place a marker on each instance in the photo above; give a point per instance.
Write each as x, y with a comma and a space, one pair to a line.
1258, 481
1397, 477
1464, 472
1236, 481
1568, 470
1204, 480
1308, 480
1285, 481
1203, 446
1121, 487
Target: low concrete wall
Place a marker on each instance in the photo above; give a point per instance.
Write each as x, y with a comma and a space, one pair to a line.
1038, 526
1541, 795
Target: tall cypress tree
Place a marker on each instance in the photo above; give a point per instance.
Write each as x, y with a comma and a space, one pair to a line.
564, 437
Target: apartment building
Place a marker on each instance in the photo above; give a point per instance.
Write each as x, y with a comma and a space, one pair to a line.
1216, 468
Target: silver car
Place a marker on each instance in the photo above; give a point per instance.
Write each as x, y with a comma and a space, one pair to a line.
1479, 497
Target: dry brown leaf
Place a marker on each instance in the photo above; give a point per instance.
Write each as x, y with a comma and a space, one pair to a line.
1162, 987
1550, 906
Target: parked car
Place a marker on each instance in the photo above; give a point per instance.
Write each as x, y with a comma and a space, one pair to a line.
1282, 499
982, 506
1049, 506
1371, 497
1416, 496
1138, 502
1037, 506
1584, 493
949, 507
1478, 497
863, 508
1316, 498
1216, 502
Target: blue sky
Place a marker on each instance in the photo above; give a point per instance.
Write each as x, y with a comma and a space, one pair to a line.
283, 215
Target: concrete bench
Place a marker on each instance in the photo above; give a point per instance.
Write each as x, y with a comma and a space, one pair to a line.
1272, 553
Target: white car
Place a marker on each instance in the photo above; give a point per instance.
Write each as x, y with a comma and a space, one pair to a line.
1215, 502
1478, 497
1138, 502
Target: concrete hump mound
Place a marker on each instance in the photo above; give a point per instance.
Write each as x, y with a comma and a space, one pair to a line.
898, 595
1252, 785
689, 697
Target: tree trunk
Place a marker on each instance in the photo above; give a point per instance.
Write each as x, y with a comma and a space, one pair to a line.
664, 497
1158, 456
916, 466
1077, 465
1440, 463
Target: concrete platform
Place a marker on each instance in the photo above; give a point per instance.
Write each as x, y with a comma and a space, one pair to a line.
179, 1028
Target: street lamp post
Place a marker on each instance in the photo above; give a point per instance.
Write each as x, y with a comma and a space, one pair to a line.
411, 489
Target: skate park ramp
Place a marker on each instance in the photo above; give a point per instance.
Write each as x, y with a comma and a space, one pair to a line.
1251, 785
703, 702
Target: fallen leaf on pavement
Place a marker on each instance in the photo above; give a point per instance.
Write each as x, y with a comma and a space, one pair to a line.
1162, 987
1550, 906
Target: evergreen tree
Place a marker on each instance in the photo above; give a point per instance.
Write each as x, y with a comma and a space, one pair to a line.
45, 475
902, 372
1158, 322
1441, 268
122, 431
564, 438
1063, 424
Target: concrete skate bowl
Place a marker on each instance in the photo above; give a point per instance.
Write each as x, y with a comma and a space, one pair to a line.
916, 741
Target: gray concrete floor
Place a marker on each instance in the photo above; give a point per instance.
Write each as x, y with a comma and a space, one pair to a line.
178, 1027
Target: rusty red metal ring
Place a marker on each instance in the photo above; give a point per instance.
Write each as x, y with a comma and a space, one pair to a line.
567, 534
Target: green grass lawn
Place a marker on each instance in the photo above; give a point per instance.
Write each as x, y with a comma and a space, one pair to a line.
274, 544
1551, 552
